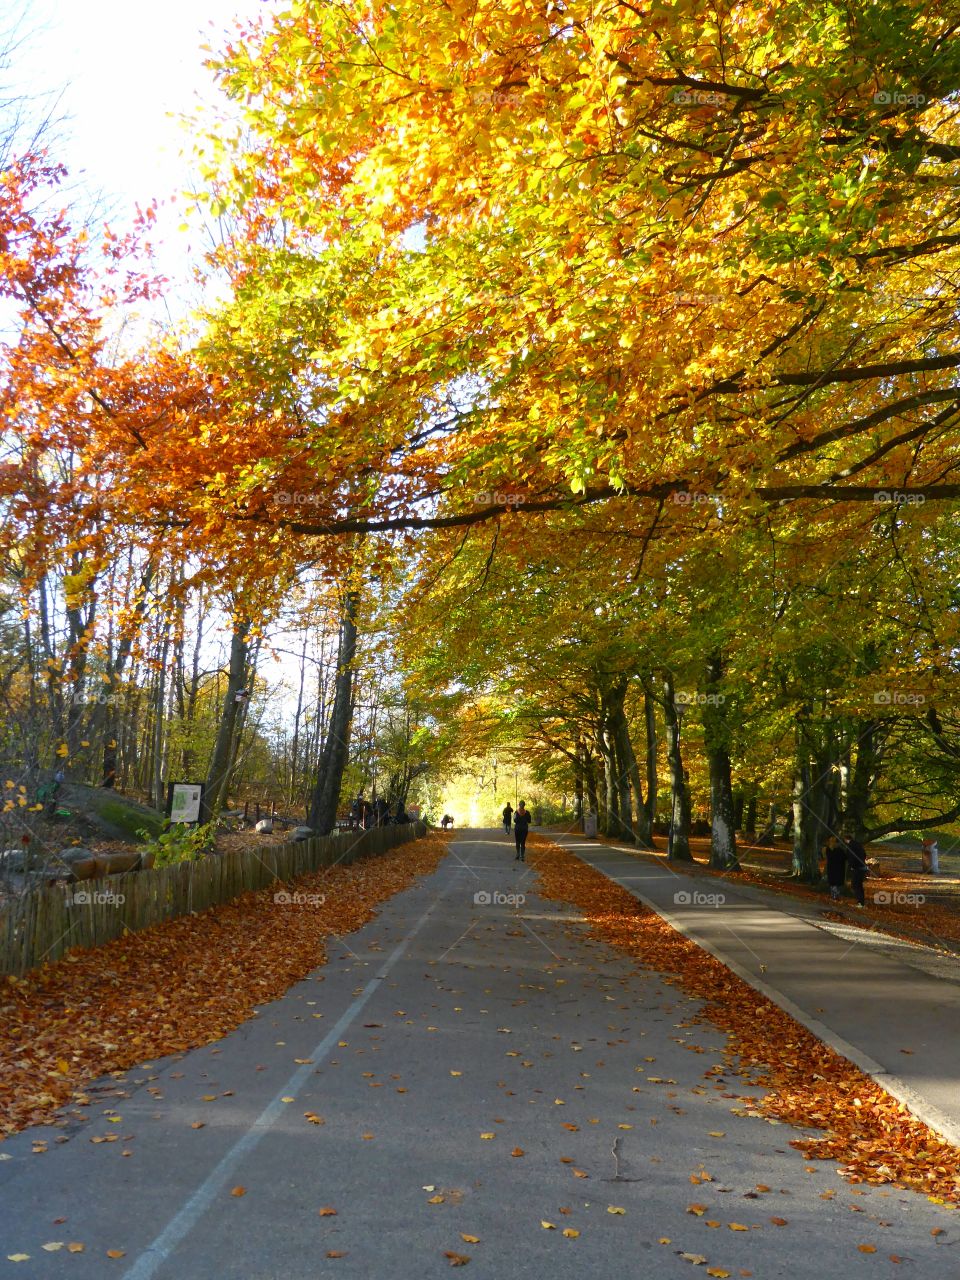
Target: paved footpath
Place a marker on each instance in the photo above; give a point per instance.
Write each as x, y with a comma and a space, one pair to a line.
891, 1007
467, 1064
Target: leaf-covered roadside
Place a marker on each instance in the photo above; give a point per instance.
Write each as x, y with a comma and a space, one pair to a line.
178, 985
867, 1131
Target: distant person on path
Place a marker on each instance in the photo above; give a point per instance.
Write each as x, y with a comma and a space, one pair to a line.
521, 825
446, 821
507, 817
856, 856
835, 857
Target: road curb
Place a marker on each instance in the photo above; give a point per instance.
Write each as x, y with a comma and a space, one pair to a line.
915, 1103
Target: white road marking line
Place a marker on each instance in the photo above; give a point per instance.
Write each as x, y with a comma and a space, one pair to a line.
186, 1219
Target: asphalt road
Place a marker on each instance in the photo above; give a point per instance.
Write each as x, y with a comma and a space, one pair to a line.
460, 1066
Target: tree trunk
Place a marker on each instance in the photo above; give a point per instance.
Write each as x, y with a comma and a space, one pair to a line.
333, 758
590, 781
650, 725
611, 814
750, 818
216, 782
631, 771
679, 843
723, 837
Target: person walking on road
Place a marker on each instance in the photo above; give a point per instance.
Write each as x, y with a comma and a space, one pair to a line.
856, 856
521, 825
507, 817
835, 857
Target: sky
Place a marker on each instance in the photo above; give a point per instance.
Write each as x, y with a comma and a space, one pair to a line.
124, 69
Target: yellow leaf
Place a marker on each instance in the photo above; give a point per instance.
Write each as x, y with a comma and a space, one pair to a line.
612, 1208
488, 1135
718, 1272
327, 1212
737, 1226
698, 1209
76, 1248
116, 1253
18, 1257
547, 1226
469, 1239
239, 1191
435, 1200
571, 1233
867, 1248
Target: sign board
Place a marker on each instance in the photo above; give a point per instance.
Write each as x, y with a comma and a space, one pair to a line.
413, 811
590, 825
184, 800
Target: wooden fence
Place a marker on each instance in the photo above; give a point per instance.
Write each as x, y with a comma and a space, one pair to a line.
45, 923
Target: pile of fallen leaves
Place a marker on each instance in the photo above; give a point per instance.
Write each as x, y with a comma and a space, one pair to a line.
867, 1131
180, 984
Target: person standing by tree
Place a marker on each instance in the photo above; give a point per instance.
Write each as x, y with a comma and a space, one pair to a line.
507, 817
835, 858
856, 856
521, 825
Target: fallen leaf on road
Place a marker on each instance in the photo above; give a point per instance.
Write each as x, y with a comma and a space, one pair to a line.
571, 1233
456, 1259
327, 1212
469, 1239
612, 1208
518, 1151
116, 1253
698, 1209
547, 1226
239, 1191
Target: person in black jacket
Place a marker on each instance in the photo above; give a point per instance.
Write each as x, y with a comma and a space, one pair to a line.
857, 862
507, 816
835, 858
521, 825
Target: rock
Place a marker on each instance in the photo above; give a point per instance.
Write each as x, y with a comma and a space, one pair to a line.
302, 833
12, 860
76, 853
265, 826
